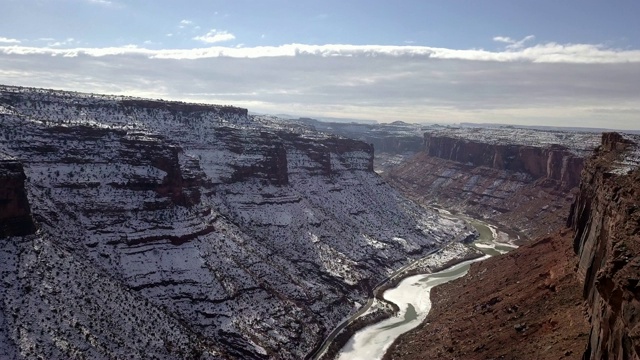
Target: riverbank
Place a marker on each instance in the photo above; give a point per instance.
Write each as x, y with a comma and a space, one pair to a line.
508, 234
504, 310
451, 255
381, 309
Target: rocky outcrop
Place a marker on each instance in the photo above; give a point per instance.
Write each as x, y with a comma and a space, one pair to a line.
520, 185
606, 221
15, 213
393, 143
194, 111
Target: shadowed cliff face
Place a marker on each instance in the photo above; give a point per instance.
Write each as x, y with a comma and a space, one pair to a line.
182, 230
15, 214
606, 220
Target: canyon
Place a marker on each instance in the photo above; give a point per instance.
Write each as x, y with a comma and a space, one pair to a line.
156, 229
570, 294
523, 179
545, 185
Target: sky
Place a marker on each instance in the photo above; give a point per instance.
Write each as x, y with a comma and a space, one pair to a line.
569, 63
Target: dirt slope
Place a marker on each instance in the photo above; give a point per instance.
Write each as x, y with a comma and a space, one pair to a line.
529, 299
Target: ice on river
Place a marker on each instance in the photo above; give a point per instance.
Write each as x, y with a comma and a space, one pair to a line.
412, 297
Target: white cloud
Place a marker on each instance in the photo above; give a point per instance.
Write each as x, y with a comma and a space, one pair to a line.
504, 39
106, 3
184, 23
553, 84
67, 42
4, 40
215, 36
513, 44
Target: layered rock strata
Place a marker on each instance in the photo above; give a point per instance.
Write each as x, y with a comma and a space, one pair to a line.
540, 301
176, 230
606, 221
393, 143
523, 186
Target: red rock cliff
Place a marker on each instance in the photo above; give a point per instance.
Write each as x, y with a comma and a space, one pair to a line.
552, 162
606, 220
524, 186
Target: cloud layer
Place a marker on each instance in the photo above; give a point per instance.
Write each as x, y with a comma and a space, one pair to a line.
515, 52
552, 84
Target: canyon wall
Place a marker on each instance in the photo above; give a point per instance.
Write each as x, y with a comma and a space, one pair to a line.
540, 301
606, 221
175, 230
525, 182
393, 143
553, 162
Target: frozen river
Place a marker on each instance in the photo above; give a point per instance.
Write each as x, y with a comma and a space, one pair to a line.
412, 297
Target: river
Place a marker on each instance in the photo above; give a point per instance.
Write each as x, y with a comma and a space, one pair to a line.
412, 297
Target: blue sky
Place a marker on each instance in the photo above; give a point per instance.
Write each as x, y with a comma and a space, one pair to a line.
573, 63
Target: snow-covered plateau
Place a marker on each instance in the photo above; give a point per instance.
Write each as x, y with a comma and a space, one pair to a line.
174, 230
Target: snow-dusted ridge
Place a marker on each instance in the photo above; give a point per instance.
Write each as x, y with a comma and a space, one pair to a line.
578, 142
174, 230
629, 159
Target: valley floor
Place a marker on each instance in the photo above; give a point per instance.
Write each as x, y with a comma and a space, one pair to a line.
523, 305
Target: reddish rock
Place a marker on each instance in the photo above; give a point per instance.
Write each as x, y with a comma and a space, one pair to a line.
534, 303
524, 188
523, 305
554, 162
606, 220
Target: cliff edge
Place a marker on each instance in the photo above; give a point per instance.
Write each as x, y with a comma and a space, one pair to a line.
606, 221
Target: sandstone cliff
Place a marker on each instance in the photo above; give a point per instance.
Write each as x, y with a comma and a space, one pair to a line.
522, 179
393, 143
606, 220
552, 162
